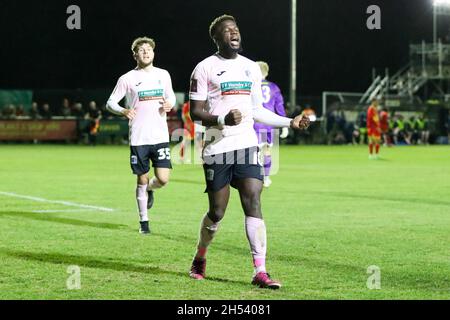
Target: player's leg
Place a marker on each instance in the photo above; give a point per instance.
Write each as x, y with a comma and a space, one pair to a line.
268, 159
218, 177
160, 156
250, 194
209, 226
265, 157
160, 179
264, 134
377, 140
370, 139
183, 149
140, 167
218, 202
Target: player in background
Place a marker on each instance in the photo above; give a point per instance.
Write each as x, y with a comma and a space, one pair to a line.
225, 95
192, 132
273, 101
384, 127
189, 131
373, 129
149, 97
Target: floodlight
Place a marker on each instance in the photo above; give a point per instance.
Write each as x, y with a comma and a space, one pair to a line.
441, 3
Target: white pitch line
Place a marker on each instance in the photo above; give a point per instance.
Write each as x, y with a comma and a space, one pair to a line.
61, 210
65, 203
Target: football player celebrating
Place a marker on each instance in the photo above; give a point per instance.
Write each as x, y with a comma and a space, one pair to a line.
225, 95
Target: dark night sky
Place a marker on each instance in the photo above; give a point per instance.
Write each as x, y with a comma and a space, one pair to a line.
335, 49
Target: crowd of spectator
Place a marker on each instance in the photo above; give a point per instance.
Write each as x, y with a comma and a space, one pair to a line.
44, 111
401, 130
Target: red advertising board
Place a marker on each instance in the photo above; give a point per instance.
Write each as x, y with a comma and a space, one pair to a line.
17, 130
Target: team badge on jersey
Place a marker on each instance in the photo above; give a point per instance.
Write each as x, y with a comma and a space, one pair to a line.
150, 94
210, 174
236, 87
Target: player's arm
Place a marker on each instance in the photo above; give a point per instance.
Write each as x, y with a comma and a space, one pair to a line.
280, 110
198, 95
112, 105
262, 115
169, 98
198, 113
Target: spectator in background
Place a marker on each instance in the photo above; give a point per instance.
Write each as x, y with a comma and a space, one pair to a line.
65, 108
20, 112
93, 115
46, 113
410, 130
105, 114
362, 126
9, 112
422, 129
78, 111
34, 112
399, 130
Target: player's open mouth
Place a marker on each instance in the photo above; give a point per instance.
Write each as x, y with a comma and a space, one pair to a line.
235, 42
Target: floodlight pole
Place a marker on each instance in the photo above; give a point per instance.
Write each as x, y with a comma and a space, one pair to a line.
293, 81
434, 24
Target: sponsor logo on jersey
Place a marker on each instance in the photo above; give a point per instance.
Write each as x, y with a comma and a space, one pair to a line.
150, 94
220, 73
236, 87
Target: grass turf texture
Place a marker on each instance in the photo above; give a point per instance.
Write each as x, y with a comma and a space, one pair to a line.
330, 214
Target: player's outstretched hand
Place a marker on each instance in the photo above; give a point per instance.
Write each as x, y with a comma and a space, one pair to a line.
300, 122
165, 105
284, 133
233, 118
129, 113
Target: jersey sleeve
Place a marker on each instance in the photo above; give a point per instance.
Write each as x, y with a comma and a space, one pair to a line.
256, 94
118, 93
199, 83
278, 101
169, 95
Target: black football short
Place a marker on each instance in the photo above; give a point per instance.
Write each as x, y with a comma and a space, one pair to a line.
226, 168
140, 157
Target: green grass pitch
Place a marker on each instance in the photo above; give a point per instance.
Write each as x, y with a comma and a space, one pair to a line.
330, 213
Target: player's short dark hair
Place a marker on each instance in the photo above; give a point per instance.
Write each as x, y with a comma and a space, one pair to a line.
217, 21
